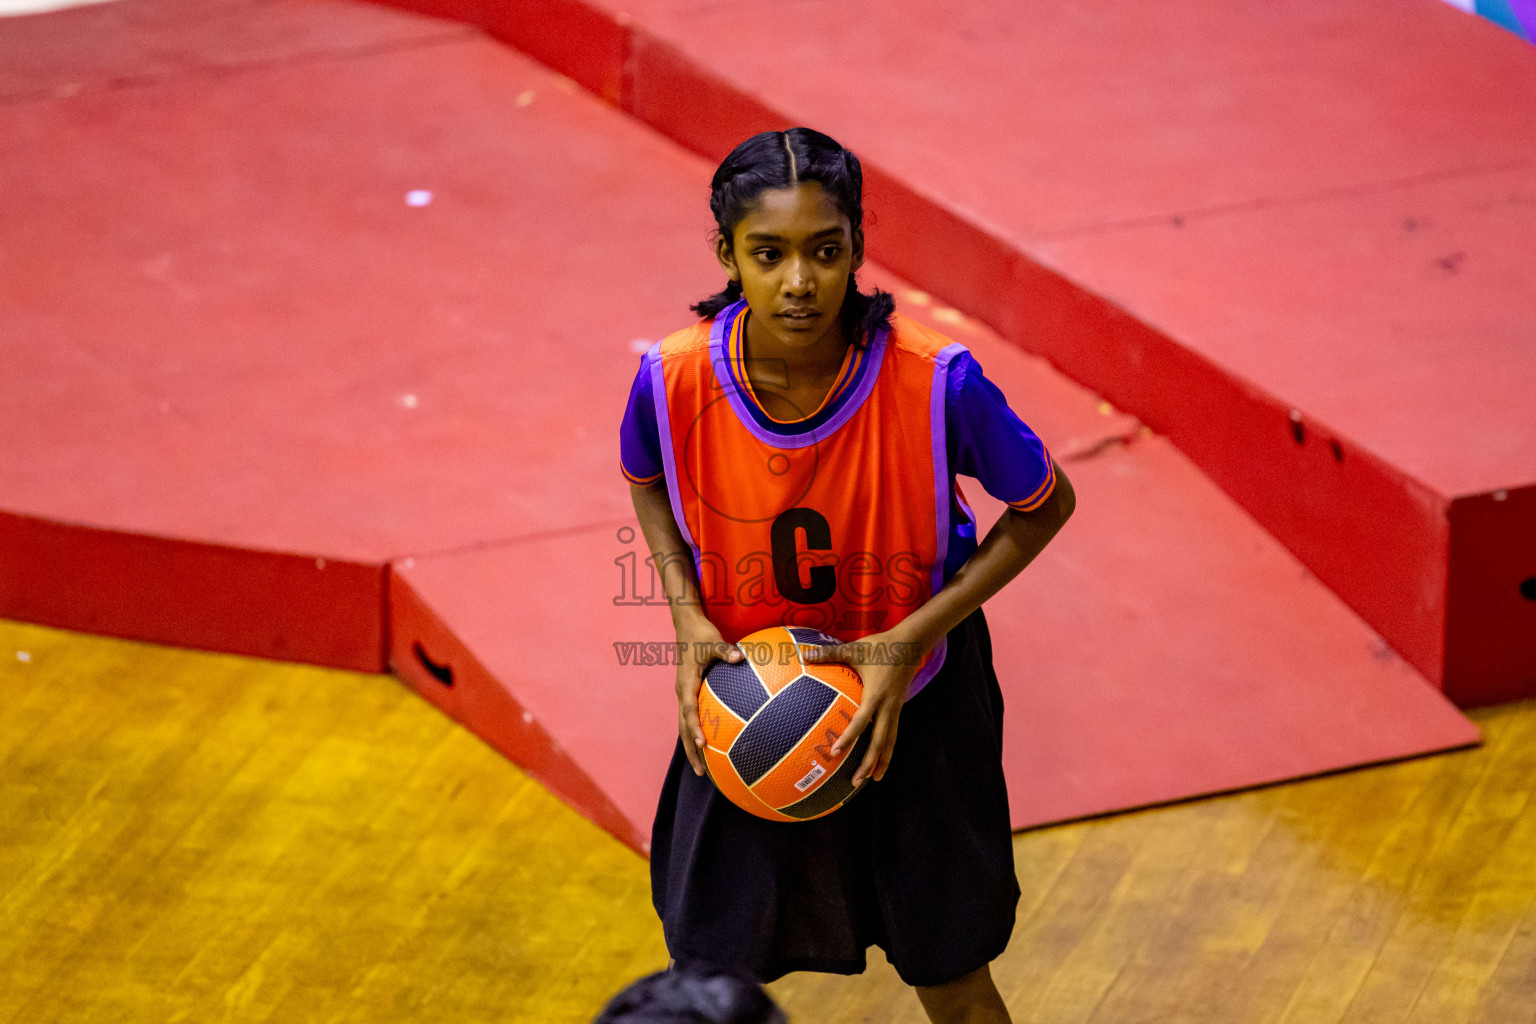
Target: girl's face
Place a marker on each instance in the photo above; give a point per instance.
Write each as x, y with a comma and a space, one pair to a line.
792, 254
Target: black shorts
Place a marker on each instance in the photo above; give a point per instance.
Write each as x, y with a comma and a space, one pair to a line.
920, 863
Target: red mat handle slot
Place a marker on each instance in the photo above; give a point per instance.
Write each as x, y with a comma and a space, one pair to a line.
442, 673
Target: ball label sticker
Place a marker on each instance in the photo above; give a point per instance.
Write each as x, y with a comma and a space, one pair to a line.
816, 772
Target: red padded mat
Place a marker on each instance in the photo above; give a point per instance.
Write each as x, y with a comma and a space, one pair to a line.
224, 325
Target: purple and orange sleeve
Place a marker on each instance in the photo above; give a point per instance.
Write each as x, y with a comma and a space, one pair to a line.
639, 441
988, 441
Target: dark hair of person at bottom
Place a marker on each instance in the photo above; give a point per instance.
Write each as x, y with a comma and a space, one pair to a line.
692, 995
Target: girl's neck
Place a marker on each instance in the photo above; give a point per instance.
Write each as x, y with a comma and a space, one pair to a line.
791, 382
820, 359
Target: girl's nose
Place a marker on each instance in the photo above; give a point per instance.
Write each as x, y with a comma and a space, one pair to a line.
797, 277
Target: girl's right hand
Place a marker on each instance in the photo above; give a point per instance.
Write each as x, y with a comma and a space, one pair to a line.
700, 645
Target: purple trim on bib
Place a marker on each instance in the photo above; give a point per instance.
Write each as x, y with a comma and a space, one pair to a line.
668, 456
720, 358
942, 483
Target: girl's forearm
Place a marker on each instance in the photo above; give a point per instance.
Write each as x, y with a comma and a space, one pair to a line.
670, 553
1012, 543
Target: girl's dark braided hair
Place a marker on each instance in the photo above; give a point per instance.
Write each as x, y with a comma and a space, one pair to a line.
784, 160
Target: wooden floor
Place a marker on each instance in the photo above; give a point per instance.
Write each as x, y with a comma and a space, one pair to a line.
195, 837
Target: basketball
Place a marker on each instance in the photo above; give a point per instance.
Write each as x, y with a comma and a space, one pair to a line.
769, 723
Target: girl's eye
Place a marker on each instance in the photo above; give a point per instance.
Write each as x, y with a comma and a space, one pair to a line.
829, 252
767, 255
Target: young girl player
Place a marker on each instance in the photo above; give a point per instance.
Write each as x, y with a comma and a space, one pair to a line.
792, 460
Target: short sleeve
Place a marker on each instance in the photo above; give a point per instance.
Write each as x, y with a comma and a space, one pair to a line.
988, 441
639, 441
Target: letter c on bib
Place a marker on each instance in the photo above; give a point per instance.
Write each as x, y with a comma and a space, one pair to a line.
786, 570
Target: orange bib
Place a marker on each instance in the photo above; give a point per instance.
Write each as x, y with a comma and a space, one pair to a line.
841, 526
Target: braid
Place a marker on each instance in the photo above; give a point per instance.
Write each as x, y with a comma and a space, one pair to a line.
718, 302
854, 172
864, 316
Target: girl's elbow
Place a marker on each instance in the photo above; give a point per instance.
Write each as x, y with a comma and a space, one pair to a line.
1051, 514
1059, 505
1065, 498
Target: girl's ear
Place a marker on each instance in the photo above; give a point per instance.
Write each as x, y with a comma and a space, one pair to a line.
726, 254
858, 250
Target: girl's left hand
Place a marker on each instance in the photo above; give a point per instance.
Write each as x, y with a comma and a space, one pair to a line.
886, 663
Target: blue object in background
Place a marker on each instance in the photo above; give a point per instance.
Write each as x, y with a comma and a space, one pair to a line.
1517, 16
1502, 12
